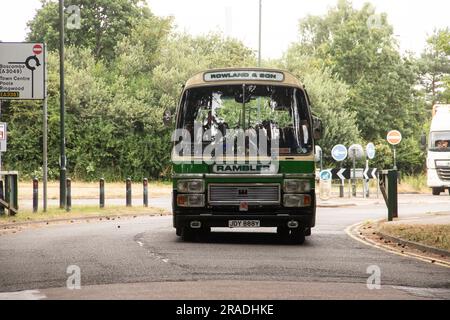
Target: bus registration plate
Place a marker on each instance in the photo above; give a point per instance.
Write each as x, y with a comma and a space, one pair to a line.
244, 223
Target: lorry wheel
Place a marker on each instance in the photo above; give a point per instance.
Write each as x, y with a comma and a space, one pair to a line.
436, 191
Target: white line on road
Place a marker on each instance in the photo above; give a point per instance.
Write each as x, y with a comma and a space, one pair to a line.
23, 295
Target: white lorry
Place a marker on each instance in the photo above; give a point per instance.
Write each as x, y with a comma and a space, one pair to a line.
438, 159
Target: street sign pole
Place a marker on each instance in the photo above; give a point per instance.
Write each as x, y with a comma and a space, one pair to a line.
260, 33
62, 172
321, 160
366, 182
395, 158
354, 174
45, 140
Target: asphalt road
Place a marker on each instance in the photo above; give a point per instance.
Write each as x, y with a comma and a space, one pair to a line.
142, 258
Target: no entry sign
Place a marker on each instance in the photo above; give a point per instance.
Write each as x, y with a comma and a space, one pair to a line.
394, 137
37, 49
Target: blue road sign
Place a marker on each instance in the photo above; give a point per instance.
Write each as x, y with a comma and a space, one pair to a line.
370, 151
325, 175
339, 152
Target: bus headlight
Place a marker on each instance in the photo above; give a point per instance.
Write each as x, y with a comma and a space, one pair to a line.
191, 186
297, 186
297, 200
191, 200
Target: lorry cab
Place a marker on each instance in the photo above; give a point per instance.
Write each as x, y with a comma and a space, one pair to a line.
243, 154
438, 158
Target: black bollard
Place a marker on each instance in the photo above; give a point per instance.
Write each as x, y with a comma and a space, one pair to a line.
102, 193
2, 197
68, 195
145, 183
35, 195
128, 191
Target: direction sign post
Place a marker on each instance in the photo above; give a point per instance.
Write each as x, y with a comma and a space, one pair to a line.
23, 76
355, 151
339, 153
370, 153
325, 184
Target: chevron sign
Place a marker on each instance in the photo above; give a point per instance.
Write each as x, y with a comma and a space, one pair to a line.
346, 173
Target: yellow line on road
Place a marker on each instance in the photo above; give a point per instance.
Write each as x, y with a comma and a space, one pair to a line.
350, 232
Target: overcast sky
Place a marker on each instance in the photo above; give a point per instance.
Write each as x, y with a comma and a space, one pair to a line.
413, 20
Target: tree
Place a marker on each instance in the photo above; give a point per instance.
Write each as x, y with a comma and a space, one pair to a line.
328, 96
103, 24
435, 68
359, 47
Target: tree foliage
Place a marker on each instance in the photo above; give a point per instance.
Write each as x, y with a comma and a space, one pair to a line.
126, 66
358, 47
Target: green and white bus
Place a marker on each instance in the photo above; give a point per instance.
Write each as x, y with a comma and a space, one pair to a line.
243, 154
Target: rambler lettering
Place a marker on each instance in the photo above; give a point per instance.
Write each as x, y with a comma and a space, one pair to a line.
241, 168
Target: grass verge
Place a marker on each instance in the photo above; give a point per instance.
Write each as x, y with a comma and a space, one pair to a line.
79, 212
433, 235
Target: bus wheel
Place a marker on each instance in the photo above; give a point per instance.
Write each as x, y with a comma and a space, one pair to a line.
283, 234
188, 234
436, 191
298, 236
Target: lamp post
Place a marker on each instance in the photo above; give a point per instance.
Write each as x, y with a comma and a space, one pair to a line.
62, 163
260, 32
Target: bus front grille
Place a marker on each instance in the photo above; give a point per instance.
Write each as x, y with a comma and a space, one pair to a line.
253, 194
444, 174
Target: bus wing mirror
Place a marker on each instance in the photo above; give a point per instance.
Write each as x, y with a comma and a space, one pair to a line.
167, 118
317, 128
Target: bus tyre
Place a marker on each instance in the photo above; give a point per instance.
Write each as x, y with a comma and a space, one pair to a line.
298, 236
436, 191
187, 234
283, 233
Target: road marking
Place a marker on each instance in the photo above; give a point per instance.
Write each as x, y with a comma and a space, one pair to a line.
23, 295
349, 231
153, 254
428, 293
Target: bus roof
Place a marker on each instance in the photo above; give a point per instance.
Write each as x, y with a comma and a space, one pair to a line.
236, 76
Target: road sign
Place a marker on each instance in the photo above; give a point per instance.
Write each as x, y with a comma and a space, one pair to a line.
346, 173
339, 152
325, 175
318, 154
340, 174
3, 136
370, 173
394, 137
356, 150
22, 71
370, 151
